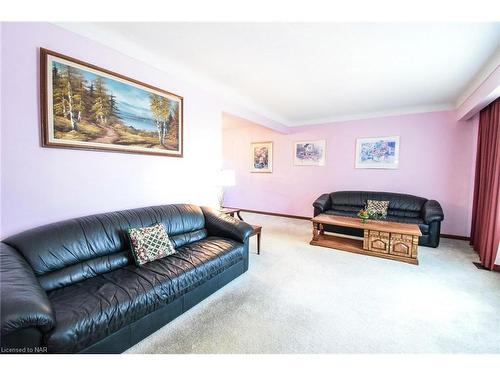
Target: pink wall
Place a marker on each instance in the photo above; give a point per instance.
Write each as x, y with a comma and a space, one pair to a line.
436, 162
41, 185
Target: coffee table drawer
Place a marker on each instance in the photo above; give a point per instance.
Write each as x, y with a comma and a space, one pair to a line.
401, 244
378, 241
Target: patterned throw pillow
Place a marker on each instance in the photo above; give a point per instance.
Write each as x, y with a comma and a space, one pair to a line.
377, 209
150, 243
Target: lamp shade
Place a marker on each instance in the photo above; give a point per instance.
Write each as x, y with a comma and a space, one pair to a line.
226, 178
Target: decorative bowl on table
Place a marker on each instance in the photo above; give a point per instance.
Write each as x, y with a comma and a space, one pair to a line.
363, 215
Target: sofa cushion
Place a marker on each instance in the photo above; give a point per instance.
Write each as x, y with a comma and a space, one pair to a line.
341, 213
397, 201
405, 213
91, 310
345, 208
424, 228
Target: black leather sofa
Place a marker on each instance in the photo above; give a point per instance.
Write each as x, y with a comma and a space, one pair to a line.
403, 208
73, 286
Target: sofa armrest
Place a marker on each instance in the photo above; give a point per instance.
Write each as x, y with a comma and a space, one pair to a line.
24, 304
323, 203
223, 225
432, 211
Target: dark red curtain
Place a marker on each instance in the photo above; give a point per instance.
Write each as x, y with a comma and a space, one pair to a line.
485, 233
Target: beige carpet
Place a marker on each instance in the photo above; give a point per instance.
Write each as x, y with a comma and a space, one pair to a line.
298, 298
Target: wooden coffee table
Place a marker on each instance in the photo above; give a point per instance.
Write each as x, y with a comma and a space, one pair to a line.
397, 241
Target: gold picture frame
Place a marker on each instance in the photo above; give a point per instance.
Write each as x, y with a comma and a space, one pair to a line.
89, 108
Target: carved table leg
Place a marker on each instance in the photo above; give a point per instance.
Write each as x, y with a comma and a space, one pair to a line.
414, 247
315, 231
365, 239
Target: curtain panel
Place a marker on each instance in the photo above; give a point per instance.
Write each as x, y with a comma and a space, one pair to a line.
485, 232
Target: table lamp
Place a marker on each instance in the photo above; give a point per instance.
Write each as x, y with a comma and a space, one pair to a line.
226, 178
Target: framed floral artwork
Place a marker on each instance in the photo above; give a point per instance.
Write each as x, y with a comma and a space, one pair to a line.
378, 152
261, 154
309, 153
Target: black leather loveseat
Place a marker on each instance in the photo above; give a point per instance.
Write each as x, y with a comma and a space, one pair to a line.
73, 286
403, 208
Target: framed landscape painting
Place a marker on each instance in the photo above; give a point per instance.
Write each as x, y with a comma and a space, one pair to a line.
309, 153
261, 154
86, 107
379, 152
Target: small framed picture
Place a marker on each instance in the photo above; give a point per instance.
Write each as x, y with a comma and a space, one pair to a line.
309, 153
261, 154
378, 152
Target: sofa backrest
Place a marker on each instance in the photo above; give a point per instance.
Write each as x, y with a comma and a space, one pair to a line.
69, 251
403, 205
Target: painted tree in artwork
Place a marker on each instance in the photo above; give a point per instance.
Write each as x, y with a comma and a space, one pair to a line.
88, 101
173, 126
68, 91
58, 93
113, 108
154, 104
88, 107
101, 103
161, 108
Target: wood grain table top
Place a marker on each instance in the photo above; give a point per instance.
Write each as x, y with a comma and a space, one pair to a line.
229, 211
354, 222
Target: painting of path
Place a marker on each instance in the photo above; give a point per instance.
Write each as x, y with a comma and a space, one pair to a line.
88, 107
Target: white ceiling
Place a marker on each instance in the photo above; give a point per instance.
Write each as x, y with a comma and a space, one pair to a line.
304, 73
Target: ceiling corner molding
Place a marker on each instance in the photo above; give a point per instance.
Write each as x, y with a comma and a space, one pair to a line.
233, 102
476, 82
372, 115
273, 113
